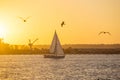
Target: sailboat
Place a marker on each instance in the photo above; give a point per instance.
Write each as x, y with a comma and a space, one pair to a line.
56, 50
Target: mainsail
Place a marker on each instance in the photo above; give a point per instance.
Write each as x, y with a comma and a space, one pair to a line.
56, 47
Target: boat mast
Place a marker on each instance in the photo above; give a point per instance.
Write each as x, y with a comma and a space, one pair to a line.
55, 50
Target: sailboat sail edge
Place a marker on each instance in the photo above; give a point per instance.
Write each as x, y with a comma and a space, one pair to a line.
56, 50
56, 47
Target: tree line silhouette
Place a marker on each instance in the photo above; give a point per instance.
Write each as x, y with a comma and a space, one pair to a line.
6, 48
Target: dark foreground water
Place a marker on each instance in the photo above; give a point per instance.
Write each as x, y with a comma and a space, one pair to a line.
72, 67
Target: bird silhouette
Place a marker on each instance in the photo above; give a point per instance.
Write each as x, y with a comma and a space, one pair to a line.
24, 19
103, 32
62, 24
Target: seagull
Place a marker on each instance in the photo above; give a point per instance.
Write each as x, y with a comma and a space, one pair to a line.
24, 19
103, 32
63, 23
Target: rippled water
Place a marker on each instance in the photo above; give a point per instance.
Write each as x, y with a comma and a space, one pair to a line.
72, 67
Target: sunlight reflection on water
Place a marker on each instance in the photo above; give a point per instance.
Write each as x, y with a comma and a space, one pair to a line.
72, 67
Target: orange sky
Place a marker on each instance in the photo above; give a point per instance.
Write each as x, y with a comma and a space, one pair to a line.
84, 20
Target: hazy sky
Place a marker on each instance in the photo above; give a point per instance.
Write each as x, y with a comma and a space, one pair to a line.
84, 20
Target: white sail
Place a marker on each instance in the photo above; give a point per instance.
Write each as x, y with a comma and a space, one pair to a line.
55, 47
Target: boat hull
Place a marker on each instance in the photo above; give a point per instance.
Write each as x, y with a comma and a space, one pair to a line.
53, 56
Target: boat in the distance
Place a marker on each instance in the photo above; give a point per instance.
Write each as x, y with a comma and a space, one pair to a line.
56, 50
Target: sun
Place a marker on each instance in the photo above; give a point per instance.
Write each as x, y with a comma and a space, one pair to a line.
3, 31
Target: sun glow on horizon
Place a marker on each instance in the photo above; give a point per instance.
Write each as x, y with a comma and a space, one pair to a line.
3, 31
84, 20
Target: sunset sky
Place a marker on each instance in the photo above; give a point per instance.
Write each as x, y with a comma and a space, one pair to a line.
84, 20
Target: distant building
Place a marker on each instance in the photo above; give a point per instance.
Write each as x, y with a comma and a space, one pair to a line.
4, 47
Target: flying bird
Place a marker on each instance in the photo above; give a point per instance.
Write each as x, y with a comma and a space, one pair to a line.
103, 32
62, 24
24, 19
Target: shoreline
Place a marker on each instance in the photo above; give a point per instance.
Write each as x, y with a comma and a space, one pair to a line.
70, 51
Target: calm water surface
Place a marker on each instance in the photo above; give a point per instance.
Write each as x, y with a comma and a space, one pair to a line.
72, 67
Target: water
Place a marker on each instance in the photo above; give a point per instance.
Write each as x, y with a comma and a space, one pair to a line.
72, 67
